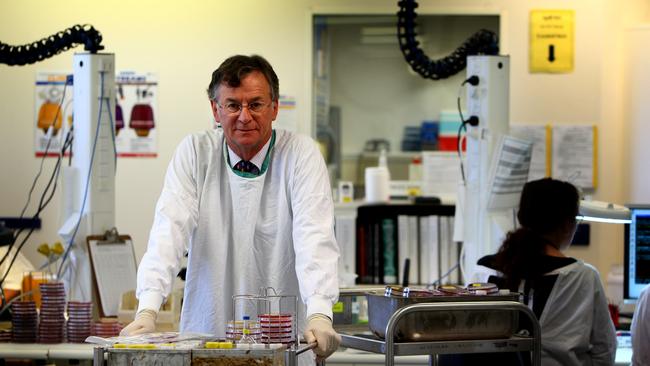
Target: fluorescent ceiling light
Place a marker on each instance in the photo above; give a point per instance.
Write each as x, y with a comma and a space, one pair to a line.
598, 211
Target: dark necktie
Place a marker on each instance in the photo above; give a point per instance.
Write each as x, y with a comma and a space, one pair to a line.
247, 167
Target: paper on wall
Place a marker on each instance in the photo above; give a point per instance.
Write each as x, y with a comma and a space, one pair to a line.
540, 136
509, 172
574, 155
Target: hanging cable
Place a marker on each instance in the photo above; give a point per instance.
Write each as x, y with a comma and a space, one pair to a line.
47, 148
54, 175
65, 255
112, 126
43, 202
52, 46
472, 121
483, 42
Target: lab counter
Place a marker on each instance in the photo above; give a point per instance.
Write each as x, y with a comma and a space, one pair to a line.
70, 351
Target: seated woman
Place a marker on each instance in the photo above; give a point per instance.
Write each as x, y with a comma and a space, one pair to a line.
565, 294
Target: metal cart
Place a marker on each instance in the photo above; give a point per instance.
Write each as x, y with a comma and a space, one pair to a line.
391, 349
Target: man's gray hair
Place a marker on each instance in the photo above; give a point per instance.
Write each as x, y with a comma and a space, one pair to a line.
235, 68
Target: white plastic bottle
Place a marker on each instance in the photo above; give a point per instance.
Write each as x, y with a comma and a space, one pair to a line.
377, 181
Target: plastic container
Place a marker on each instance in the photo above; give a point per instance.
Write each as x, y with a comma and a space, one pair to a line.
377, 185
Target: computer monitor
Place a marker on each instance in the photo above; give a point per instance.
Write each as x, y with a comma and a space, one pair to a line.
637, 252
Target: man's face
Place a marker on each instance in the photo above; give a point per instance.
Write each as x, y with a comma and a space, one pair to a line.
248, 129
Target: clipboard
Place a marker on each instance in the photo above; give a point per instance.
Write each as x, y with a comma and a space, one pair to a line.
114, 269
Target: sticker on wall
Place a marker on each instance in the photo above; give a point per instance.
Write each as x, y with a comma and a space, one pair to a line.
136, 114
551, 41
53, 112
286, 118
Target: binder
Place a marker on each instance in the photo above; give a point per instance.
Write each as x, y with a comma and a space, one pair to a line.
114, 269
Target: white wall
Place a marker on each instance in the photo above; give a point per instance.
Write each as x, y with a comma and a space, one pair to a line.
184, 42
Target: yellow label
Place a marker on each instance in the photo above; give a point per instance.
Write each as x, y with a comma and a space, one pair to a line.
551, 41
220, 345
141, 346
337, 308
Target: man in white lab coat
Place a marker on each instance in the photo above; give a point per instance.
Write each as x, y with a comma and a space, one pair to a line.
251, 206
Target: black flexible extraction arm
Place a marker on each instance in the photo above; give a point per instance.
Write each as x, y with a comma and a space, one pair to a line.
482, 42
51, 46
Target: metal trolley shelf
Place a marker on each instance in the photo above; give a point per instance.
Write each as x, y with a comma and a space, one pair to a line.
392, 349
184, 357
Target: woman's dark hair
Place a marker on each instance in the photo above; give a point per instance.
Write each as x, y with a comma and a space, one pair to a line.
546, 205
235, 68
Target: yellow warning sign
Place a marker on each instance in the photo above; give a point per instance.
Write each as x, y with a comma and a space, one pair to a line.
551, 40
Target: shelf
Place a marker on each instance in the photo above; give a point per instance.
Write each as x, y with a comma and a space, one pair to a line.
39, 351
373, 344
371, 211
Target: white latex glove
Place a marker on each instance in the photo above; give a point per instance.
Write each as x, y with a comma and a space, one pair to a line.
319, 329
145, 322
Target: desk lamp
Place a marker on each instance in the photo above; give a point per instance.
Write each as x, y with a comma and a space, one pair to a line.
598, 211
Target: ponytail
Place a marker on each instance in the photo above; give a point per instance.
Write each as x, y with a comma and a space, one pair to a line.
519, 256
546, 205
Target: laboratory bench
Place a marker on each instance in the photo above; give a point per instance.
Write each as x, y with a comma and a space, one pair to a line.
84, 354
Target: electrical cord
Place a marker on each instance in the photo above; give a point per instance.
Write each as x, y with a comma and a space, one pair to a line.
65, 255
42, 204
112, 126
54, 176
472, 121
459, 144
52, 45
446, 274
47, 148
482, 42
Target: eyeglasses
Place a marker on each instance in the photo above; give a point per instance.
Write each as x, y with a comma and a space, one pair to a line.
236, 108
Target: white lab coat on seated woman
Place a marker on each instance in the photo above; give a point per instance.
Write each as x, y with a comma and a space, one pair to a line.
575, 322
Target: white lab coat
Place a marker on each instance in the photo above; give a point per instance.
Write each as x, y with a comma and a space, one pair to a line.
641, 330
242, 233
575, 323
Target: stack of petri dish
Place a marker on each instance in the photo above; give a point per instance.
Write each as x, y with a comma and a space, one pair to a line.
79, 319
237, 329
24, 321
106, 329
276, 328
52, 317
5, 335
